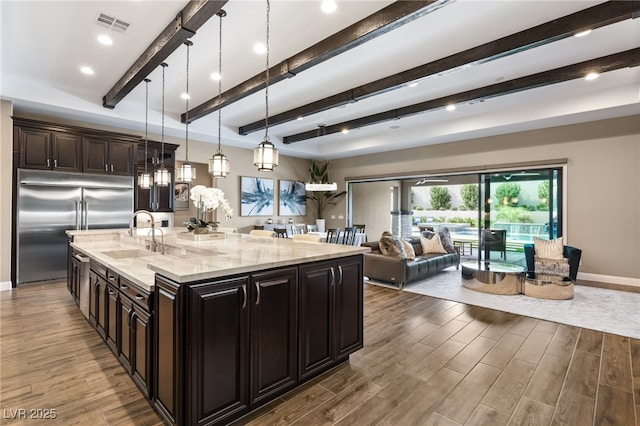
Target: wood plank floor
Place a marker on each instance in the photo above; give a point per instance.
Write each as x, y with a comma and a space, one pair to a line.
426, 361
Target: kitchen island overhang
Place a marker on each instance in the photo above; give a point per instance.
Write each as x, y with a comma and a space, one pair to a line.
237, 322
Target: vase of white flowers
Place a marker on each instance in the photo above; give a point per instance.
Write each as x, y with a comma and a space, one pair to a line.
205, 200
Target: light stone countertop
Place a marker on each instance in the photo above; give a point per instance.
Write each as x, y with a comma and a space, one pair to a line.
188, 260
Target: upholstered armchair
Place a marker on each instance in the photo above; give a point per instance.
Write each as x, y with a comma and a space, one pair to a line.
494, 239
572, 254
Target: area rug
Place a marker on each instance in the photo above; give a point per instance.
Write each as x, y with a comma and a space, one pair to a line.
610, 311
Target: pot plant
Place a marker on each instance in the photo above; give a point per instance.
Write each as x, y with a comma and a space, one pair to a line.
321, 199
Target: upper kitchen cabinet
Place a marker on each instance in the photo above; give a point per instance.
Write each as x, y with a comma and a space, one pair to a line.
48, 150
108, 156
61, 147
157, 198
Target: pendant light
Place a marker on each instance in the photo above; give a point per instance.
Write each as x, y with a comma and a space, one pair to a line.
162, 175
186, 172
219, 164
145, 180
265, 155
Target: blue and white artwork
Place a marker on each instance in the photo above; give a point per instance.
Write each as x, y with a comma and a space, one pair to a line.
257, 196
293, 198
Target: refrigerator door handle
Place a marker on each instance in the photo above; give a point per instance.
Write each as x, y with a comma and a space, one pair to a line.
86, 214
78, 224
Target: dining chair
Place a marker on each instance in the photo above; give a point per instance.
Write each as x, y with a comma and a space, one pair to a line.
312, 228
333, 235
298, 228
359, 228
280, 232
349, 235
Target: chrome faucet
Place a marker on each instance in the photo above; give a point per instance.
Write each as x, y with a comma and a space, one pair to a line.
152, 231
154, 244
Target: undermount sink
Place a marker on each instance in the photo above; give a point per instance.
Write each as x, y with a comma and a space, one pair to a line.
127, 253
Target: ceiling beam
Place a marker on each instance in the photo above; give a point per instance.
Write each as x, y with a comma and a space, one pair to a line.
181, 28
594, 17
626, 59
385, 20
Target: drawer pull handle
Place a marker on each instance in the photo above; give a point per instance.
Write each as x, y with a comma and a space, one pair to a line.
124, 287
258, 290
139, 297
244, 292
111, 292
112, 278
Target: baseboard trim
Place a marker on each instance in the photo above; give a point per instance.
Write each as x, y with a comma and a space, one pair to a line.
610, 279
5, 286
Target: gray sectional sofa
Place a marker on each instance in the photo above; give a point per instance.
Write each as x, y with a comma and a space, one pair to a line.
399, 271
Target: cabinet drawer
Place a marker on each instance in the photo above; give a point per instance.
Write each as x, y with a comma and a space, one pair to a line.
98, 268
136, 294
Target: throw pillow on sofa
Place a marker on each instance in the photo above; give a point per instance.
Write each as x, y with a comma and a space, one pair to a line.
408, 248
445, 238
390, 245
431, 245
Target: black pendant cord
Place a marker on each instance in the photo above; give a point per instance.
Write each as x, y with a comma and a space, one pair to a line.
221, 14
146, 123
164, 65
186, 153
266, 84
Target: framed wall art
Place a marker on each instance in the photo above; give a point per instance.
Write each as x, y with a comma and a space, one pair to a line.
181, 196
256, 198
293, 198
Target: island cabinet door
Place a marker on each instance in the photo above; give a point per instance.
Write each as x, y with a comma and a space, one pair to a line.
217, 351
94, 298
125, 312
103, 306
111, 321
316, 310
274, 328
141, 348
349, 307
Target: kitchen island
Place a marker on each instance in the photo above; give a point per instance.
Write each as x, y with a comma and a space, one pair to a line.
212, 329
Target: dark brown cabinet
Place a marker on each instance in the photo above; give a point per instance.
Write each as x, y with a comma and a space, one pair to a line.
73, 278
48, 150
274, 329
135, 333
157, 198
331, 312
217, 385
108, 156
111, 320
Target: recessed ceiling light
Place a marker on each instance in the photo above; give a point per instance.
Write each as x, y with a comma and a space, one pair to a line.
414, 84
451, 107
329, 6
300, 118
260, 48
105, 39
185, 96
591, 76
345, 131
216, 76
582, 33
87, 70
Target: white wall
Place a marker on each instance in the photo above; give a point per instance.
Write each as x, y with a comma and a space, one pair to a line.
6, 170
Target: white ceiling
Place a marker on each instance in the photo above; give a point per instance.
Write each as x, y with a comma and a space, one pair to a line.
44, 43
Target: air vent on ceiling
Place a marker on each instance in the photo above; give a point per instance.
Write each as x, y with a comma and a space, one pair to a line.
113, 23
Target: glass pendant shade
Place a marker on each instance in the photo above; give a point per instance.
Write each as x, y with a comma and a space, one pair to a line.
219, 165
162, 177
265, 156
145, 180
186, 172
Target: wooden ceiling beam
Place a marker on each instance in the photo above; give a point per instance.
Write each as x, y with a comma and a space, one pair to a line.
181, 28
385, 20
594, 17
626, 59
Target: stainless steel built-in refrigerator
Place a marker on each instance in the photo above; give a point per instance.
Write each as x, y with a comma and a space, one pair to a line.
49, 203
